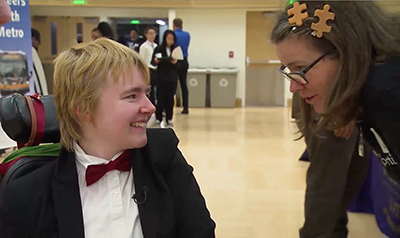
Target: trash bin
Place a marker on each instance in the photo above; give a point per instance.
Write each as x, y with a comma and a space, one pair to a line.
223, 87
196, 82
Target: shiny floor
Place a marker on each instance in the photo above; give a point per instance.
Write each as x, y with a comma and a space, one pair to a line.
246, 163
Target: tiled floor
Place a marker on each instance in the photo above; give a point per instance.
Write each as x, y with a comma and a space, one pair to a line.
246, 163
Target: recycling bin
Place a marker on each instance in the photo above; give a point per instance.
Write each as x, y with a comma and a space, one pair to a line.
223, 87
196, 82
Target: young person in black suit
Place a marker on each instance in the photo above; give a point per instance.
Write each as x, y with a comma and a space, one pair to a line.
113, 178
167, 77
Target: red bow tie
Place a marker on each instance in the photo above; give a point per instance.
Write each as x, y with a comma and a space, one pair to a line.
122, 163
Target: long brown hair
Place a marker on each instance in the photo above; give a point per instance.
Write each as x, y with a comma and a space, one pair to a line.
361, 34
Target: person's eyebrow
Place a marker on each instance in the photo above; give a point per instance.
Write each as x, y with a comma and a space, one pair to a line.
136, 90
297, 63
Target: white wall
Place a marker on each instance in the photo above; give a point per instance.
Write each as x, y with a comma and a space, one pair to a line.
161, 32
171, 17
215, 32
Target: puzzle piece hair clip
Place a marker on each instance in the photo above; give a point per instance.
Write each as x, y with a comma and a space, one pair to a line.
297, 16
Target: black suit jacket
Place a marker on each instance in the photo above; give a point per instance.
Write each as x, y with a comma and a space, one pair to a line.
46, 202
166, 70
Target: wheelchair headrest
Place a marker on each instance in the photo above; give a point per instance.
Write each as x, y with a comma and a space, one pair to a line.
29, 120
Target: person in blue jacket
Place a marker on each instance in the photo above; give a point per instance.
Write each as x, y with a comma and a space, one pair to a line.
183, 40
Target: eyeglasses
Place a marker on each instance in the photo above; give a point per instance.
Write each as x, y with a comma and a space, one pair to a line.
300, 76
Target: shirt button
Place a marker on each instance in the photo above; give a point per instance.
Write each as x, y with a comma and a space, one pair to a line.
115, 194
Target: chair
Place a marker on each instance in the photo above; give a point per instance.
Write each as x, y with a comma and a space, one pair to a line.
30, 121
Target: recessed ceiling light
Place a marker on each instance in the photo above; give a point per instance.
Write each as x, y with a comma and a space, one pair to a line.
160, 22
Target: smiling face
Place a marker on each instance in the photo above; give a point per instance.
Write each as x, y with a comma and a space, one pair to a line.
297, 54
122, 112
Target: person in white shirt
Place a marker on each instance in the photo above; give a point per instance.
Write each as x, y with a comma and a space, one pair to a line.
113, 177
146, 52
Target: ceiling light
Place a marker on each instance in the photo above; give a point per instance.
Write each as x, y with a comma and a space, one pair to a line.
160, 22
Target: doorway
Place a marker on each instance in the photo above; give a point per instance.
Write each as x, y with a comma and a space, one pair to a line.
124, 26
58, 33
265, 86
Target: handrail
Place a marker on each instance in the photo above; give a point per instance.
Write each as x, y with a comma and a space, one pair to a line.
248, 61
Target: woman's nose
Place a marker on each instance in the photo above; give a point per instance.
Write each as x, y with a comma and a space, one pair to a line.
295, 86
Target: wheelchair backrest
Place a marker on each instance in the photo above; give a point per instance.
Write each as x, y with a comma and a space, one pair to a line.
30, 121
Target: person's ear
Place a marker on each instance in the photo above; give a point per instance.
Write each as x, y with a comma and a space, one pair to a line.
83, 116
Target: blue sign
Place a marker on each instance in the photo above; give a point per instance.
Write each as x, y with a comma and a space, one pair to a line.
16, 64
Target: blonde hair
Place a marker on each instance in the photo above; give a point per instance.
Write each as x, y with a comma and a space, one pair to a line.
362, 34
80, 72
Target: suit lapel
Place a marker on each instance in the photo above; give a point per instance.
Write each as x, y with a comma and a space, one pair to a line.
67, 202
146, 177
165, 52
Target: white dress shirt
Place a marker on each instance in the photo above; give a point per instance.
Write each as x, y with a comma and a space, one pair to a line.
107, 205
146, 51
168, 50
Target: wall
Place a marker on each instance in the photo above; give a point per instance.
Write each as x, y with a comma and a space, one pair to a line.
103, 13
161, 32
215, 32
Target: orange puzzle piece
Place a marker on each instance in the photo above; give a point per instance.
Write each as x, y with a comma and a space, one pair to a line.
324, 15
296, 13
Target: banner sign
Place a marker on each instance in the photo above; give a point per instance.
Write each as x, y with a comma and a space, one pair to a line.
16, 67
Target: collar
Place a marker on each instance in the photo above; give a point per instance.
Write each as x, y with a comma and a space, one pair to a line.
179, 29
150, 43
86, 160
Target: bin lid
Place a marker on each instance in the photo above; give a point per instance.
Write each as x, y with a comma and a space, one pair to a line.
197, 70
215, 70
225, 70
